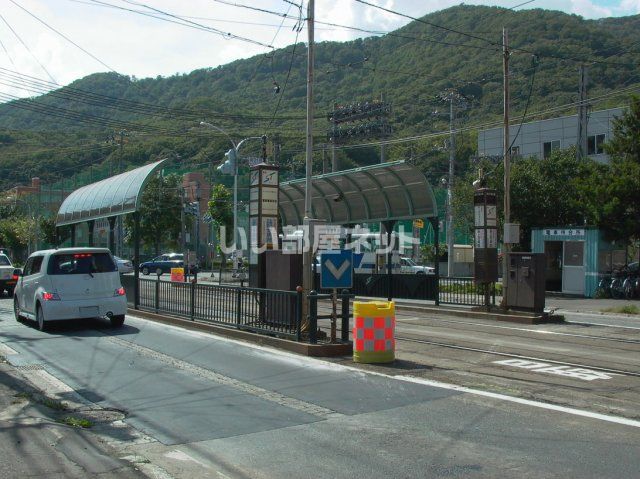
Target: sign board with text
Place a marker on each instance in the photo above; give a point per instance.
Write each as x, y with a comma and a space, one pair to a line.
485, 238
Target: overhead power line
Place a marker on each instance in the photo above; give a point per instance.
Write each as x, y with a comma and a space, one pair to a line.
489, 42
62, 35
131, 106
27, 48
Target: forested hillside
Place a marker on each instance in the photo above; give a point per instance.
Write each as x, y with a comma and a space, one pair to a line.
59, 132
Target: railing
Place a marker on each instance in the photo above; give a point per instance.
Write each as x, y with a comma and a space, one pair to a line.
465, 291
343, 315
404, 286
252, 309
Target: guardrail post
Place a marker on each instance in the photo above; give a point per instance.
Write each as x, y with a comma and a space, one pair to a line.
238, 307
344, 328
298, 313
157, 301
313, 317
192, 302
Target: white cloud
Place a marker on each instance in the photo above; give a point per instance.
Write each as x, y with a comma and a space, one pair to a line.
146, 47
629, 7
587, 9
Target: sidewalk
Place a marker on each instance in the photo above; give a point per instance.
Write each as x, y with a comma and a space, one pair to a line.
34, 441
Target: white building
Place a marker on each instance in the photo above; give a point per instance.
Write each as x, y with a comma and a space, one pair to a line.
540, 138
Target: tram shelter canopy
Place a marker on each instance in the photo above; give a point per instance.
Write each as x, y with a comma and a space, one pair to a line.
379, 193
117, 195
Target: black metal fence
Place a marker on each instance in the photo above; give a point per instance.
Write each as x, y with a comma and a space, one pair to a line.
404, 286
465, 291
252, 309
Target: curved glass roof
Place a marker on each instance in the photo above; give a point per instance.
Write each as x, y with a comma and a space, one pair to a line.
389, 191
117, 195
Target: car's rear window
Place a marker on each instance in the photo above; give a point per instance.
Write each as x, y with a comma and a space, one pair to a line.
4, 261
81, 263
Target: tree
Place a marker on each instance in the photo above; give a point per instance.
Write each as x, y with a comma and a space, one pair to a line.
221, 211
159, 212
48, 231
559, 190
621, 193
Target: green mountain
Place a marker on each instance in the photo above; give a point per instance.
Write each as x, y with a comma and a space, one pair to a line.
58, 133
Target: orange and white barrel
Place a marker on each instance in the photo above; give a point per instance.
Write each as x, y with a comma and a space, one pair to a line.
374, 331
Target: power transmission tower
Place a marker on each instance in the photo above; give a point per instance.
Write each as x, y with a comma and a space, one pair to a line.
453, 97
358, 120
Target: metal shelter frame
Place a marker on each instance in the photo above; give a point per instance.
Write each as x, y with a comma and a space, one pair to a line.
384, 193
114, 196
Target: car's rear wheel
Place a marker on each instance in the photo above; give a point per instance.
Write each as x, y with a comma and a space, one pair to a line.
16, 310
145, 271
117, 321
10, 292
42, 323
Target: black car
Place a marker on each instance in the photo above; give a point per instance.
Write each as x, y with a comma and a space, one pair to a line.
164, 263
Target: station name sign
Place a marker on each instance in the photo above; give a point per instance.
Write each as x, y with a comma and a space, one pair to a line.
577, 232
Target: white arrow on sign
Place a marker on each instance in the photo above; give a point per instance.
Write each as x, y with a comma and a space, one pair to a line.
337, 272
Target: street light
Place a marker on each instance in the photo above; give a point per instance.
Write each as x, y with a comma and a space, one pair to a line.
230, 166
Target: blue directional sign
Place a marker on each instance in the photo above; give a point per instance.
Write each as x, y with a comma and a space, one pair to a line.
336, 269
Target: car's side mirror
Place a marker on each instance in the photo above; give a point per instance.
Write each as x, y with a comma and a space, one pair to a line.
17, 272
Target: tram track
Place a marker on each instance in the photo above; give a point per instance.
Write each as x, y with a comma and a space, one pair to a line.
400, 319
621, 372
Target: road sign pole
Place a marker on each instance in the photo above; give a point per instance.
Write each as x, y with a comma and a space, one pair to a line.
334, 314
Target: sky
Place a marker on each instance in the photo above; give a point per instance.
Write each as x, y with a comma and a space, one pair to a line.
94, 36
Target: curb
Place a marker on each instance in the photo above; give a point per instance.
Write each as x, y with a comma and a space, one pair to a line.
513, 318
305, 349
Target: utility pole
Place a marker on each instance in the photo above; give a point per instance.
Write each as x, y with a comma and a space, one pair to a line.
307, 255
507, 154
582, 115
452, 156
334, 160
383, 152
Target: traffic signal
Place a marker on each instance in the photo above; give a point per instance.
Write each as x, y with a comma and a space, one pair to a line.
229, 166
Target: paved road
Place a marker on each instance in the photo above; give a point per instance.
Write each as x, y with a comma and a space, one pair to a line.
201, 406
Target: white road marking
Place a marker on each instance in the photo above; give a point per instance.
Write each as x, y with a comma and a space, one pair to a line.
426, 382
567, 371
183, 456
6, 350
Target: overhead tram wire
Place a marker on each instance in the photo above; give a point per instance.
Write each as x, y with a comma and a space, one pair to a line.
298, 28
130, 105
493, 124
224, 34
62, 35
255, 72
26, 47
14, 66
90, 119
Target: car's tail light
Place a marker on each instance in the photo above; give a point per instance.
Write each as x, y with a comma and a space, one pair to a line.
15, 277
119, 292
50, 296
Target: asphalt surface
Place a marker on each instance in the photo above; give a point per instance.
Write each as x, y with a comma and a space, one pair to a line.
186, 404
35, 443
